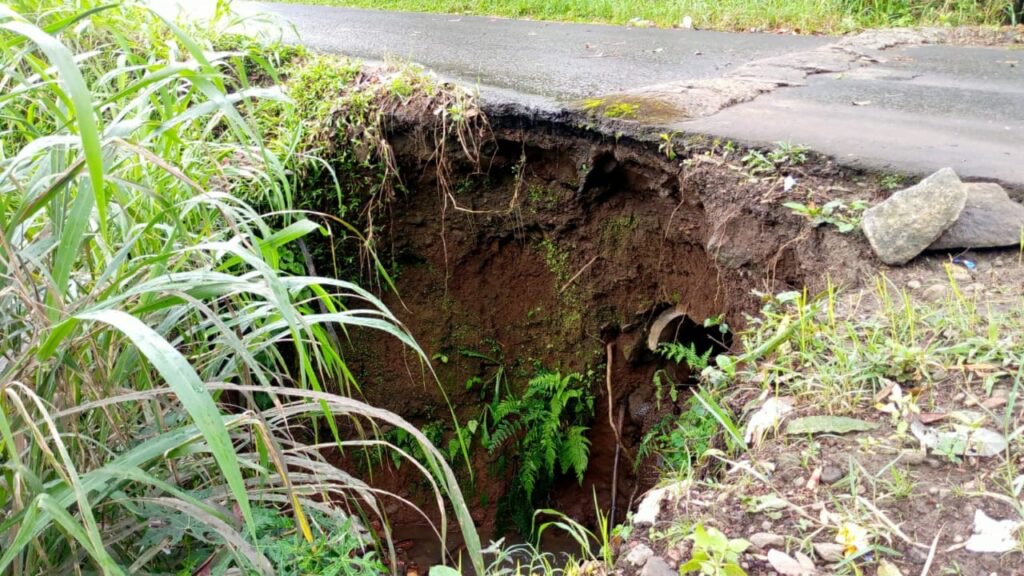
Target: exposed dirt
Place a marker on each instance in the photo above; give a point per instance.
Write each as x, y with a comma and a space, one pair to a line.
913, 499
565, 241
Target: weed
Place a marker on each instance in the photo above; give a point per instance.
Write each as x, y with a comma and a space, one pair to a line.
845, 217
666, 144
714, 553
787, 154
687, 354
900, 484
891, 181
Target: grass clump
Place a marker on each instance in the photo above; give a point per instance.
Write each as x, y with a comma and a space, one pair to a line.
163, 378
807, 16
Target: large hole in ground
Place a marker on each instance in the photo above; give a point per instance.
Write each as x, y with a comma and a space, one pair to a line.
563, 252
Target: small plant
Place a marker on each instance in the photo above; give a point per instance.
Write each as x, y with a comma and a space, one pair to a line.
667, 144
757, 164
890, 181
788, 154
900, 484
621, 110
714, 553
845, 217
679, 354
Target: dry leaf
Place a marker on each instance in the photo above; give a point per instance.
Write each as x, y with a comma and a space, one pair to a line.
788, 566
929, 417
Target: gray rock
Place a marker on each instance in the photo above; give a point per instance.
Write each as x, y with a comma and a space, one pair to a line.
639, 555
764, 540
909, 221
935, 292
828, 551
990, 219
831, 474
656, 566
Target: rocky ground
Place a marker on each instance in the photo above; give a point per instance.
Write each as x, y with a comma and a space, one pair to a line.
883, 430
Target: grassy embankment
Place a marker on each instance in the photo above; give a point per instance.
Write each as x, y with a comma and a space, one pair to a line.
805, 16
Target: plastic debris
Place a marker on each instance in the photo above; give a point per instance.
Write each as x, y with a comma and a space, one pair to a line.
969, 264
962, 441
992, 535
766, 418
788, 183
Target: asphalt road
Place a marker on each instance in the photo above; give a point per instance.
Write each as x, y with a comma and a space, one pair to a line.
920, 108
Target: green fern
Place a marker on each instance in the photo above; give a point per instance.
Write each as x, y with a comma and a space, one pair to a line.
544, 432
679, 354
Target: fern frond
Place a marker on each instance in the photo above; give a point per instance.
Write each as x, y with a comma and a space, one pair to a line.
575, 451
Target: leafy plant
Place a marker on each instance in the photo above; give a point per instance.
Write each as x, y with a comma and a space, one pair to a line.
666, 144
687, 354
547, 427
714, 553
845, 217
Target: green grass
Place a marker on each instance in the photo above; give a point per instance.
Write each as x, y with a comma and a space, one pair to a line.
163, 376
807, 16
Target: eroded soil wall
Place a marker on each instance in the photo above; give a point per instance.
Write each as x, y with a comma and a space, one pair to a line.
560, 242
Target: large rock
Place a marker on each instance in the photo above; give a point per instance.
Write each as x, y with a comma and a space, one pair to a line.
989, 220
908, 222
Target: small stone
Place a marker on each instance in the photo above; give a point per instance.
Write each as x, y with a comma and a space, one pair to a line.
764, 540
639, 555
829, 551
914, 285
799, 481
958, 538
912, 457
917, 556
999, 263
933, 490
745, 565
657, 566
935, 292
932, 462
766, 525
990, 219
910, 220
831, 474
960, 275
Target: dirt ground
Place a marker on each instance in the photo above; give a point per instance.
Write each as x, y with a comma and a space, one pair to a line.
919, 506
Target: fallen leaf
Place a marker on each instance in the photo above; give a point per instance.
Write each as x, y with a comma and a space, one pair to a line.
991, 535
788, 566
929, 417
994, 402
828, 424
884, 392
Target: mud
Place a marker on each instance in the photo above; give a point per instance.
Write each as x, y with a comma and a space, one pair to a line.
560, 244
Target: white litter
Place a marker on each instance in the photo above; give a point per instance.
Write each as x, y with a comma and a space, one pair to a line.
992, 535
